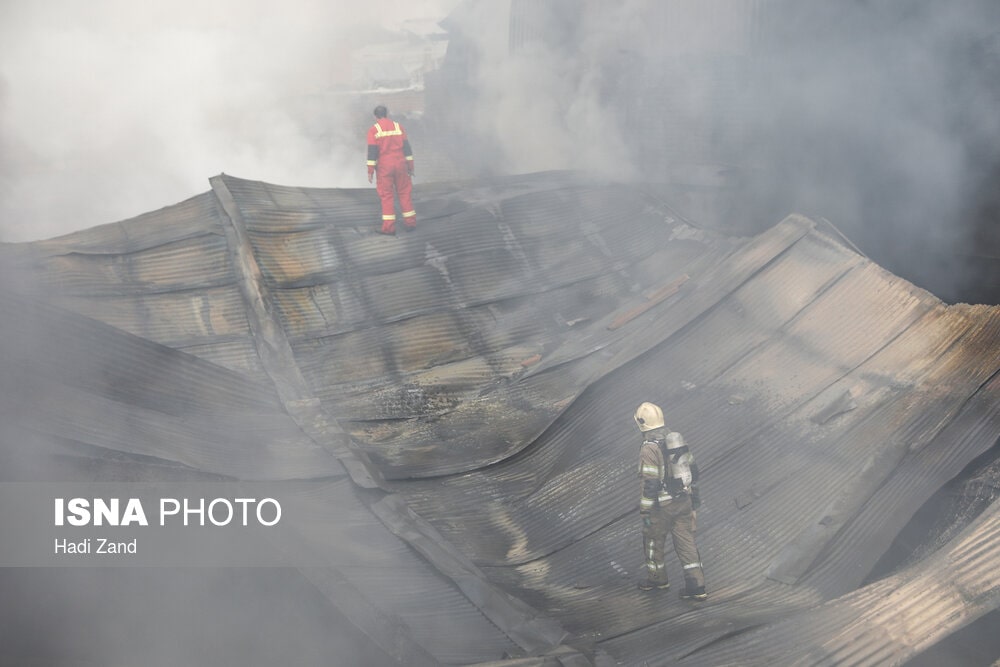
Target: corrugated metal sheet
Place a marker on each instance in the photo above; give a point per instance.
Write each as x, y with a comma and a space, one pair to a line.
480, 375
165, 276
91, 394
887, 622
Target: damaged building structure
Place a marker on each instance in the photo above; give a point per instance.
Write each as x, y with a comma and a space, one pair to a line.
459, 401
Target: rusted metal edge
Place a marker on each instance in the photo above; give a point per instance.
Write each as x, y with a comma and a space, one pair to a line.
701, 294
656, 297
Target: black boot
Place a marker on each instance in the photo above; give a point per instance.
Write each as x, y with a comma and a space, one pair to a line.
650, 584
694, 593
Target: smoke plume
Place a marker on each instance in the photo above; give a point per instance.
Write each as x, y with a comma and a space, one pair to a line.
880, 117
109, 109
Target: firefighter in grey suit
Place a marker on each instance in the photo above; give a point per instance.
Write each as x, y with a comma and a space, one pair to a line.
668, 477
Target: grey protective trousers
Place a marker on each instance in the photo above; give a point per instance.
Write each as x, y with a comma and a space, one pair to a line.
677, 518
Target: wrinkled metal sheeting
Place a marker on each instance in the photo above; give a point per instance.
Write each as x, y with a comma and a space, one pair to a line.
73, 379
798, 509
94, 403
485, 369
887, 622
417, 343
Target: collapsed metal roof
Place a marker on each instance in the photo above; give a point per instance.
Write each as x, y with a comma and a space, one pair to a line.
467, 390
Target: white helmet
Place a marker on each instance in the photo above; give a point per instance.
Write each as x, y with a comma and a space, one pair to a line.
648, 416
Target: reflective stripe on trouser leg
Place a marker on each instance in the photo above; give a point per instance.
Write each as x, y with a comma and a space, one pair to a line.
404, 188
384, 188
682, 534
694, 573
654, 539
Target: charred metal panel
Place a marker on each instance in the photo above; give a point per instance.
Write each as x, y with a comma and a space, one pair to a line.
486, 367
98, 404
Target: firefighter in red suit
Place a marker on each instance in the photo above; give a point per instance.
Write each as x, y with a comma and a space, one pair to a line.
390, 157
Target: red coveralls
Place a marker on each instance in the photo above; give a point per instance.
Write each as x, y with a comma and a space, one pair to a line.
390, 158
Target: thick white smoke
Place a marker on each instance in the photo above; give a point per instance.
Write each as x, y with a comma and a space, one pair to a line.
882, 118
879, 116
112, 108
